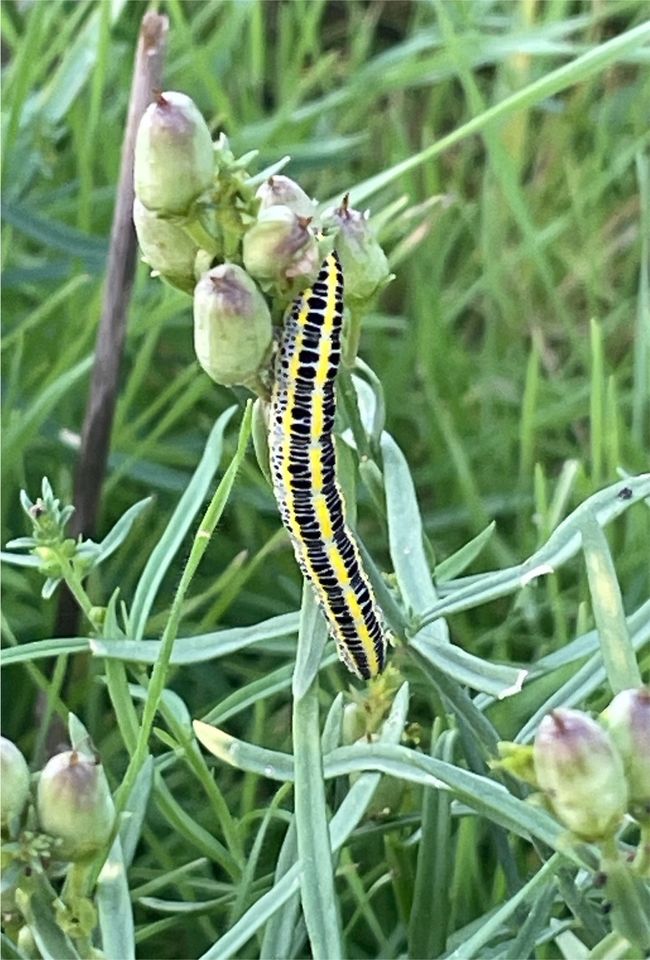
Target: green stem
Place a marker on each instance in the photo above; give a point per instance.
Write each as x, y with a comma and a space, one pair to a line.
156, 684
641, 864
77, 908
628, 895
75, 587
203, 239
77, 882
52, 699
348, 398
352, 336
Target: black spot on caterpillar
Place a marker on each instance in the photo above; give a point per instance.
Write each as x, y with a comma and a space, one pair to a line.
303, 469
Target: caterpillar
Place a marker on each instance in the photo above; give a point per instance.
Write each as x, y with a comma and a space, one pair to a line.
303, 471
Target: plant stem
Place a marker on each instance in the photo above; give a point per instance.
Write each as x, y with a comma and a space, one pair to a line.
156, 684
641, 864
73, 582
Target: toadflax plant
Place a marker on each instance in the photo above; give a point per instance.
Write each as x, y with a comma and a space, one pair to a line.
252, 798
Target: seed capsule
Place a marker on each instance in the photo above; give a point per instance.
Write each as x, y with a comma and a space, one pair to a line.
232, 325
15, 781
627, 719
279, 190
166, 247
75, 805
280, 246
174, 161
364, 262
580, 770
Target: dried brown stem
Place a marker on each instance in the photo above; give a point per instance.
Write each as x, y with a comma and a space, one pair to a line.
120, 271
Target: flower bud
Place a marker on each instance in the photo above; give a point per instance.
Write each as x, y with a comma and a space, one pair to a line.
232, 325
280, 246
627, 720
174, 160
354, 724
15, 781
364, 263
279, 190
165, 247
75, 805
580, 770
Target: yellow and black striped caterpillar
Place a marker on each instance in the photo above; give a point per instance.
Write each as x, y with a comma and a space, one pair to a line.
303, 470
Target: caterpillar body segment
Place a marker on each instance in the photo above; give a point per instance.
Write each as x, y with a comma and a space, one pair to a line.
303, 471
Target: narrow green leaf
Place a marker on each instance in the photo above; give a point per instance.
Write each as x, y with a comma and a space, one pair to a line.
564, 543
120, 531
21, 427
617, 651
493, 924
461, 559
9, 949
536, 919
281, 928
487, 797
205, 646
19, 559
406, 540
342, 824
37, 907
585, 681
496, 679
134, 812
180, 522
55, 235
433, 874
267, 686
319, 901
38, 649
114, 906
312, 637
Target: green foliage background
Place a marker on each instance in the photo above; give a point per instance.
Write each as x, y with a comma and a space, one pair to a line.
513, 349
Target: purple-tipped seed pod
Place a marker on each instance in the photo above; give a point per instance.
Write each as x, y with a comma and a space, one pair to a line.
280, 246
165, 247
15, 781
364, 262
232, 325
174, 158
627, 719
75, 805
581, 772
282, 191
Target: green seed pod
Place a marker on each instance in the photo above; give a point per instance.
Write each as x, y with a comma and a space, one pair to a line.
279, 190
364, 263
75, 805
581, 772
232, 325
174, 161
627, 719
15, 781
280, 246
165, 247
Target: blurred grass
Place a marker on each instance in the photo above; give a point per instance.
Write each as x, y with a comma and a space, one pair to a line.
513, 346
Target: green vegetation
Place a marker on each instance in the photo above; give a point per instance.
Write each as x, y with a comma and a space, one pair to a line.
502, 430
